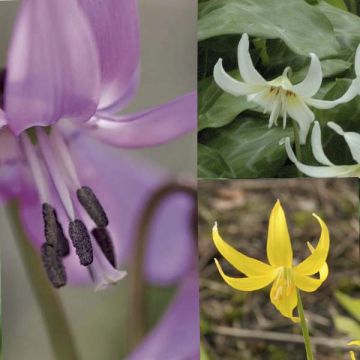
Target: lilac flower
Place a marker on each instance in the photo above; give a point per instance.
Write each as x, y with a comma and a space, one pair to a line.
72, 65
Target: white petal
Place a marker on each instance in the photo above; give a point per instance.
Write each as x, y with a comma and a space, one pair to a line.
299, 111
350, 94
246, 66
275, 112
312, 82
231, 85
351, 138
357, 61
321, 171
317, 147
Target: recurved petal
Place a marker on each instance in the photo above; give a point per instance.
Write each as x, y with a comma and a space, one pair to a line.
243, 263
352, 355
324, 270
307, 283
247, 70
248, 283
312, 82
231, 85
357, 61
317, 148
354, 343
351, 93
351, 138
317, 259
285, 303
321, 171
53, 66
148, 128
300, 112
115, 25
279, 250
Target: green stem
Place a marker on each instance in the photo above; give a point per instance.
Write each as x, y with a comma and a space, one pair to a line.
49, 303
304, 328
137, 314
297, 144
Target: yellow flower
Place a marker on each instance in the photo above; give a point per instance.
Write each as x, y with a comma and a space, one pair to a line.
280, 271
353, 343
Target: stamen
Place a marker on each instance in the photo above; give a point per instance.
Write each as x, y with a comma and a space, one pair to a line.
53, 266
64, 156
36, 168
92, 205
55, 173
54, 233
81, 241
103, 239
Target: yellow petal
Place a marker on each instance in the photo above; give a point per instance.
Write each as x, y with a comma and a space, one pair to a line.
285, 300
354, 343
249, 283
352, 355
306, 283
243, 263
279, 249
317, 259
324, 270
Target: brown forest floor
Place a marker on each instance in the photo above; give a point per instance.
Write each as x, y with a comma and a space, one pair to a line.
239, 325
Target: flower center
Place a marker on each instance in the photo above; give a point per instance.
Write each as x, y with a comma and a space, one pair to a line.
284, 285
52, 168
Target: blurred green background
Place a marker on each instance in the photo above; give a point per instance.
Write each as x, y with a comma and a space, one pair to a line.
245, 325
98, 319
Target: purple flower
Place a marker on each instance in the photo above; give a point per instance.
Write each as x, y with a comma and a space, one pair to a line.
72, 65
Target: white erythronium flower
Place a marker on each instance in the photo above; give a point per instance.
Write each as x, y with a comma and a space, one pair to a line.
280, 97
328, 169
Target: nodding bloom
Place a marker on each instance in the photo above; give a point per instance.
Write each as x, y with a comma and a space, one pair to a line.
279, 97
285, 277
353, 343
72, 66
327, 168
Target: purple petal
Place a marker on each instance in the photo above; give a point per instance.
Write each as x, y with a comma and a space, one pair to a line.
53, 67
14, 178
177, 335
123, 185
148, 128
116, 28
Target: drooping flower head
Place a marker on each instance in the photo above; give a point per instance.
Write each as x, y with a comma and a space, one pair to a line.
279, 97
328, 168
285, 277
71, 67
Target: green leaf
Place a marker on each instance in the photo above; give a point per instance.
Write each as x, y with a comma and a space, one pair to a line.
203, 354
270, 19
348, 326
345, 24
211, 164
250, 148
351, 305
218, 108
338, 3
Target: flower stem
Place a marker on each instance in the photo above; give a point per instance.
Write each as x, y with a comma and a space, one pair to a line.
137, 320
304, 328
49, 303
297, 144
